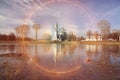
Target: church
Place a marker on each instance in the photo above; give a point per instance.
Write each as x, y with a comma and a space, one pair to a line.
59, 33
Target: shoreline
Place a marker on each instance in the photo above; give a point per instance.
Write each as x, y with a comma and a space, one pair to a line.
66, 42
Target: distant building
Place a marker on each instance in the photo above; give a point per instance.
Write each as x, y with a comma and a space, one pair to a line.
93, 38
58, 34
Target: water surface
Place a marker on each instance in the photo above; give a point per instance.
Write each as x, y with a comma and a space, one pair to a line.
59, 61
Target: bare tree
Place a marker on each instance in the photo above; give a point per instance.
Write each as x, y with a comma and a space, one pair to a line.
96, 35
89, 34
37, 28
22, 31
104, 26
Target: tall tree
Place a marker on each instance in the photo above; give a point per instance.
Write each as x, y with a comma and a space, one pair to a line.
22, 31
104, 27
37, 28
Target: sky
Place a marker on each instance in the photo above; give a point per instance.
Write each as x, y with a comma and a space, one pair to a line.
75, 16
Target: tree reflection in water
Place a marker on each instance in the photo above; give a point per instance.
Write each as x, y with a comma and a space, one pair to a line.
57, 57
97, 53
103, 53
62, 57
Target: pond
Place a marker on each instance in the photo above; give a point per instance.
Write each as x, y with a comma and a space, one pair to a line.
59, 61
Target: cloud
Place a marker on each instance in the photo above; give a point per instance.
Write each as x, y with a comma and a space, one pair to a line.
71, 17
7, 21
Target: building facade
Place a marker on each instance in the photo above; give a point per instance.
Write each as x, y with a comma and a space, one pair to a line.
93, 38
58, 33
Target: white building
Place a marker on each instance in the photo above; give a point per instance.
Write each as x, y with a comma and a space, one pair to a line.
58, 33
93, 38
55, 32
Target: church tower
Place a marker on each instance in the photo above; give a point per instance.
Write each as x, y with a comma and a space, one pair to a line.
55, 33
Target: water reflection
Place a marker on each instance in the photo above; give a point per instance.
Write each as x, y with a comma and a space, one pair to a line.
92, 51
55, 57
104, 53
7, 48
65, 57
11, 48
61, 50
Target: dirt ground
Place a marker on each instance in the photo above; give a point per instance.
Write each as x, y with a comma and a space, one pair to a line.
15, 69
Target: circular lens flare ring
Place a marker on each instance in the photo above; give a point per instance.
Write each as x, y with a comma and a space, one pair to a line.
79, 5
29, 17
53, 71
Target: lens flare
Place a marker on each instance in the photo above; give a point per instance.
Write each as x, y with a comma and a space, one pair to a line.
40, 7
